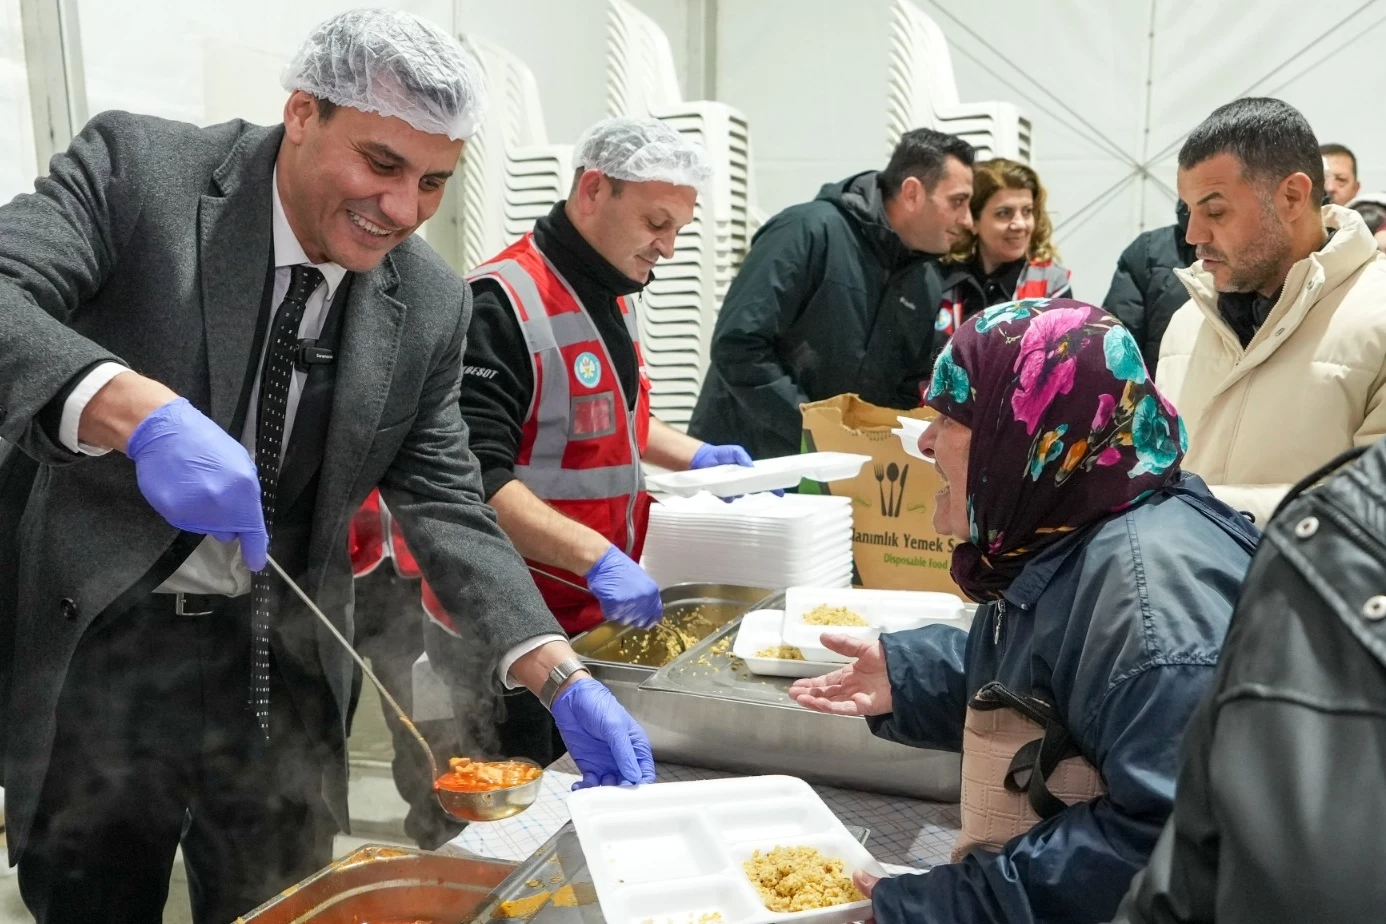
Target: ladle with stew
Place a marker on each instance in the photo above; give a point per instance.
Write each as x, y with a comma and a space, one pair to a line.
456, 790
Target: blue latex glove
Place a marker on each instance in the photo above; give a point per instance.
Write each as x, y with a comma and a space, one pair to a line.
627, 594
607, 745
709, 455
199, 479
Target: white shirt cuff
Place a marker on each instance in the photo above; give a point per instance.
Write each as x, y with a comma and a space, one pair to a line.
518, 652
76, 403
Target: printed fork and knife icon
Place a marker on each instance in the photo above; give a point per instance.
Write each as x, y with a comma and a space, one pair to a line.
892, 472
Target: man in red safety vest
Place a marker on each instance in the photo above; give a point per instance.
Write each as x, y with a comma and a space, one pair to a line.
555, 392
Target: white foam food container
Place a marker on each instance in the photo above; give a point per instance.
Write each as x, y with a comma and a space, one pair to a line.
673, 852
909, 431
765, 509
748, 533
884, 611
762, 629
764, 475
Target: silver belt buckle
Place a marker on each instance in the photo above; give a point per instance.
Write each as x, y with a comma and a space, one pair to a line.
180, 607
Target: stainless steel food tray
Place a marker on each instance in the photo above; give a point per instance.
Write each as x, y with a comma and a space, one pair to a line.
707, 709
703, 710
601, 647
377, 883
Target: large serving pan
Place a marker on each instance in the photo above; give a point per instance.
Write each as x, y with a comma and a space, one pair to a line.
701, 707
376, 884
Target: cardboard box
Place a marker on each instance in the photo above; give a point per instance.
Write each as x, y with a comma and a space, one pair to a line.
894, 543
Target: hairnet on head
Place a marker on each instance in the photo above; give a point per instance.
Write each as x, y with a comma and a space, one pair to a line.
642, 150
393, 63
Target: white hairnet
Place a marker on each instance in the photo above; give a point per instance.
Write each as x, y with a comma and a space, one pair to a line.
642, 150
393, 63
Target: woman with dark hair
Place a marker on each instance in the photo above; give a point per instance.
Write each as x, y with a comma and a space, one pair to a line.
1105, 576
1008, 254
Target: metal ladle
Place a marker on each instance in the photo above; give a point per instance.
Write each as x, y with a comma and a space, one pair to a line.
468, 806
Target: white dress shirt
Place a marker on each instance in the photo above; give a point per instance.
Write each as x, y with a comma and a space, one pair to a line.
217, 567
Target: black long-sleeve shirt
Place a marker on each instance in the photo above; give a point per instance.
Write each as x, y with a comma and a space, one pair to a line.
497, 373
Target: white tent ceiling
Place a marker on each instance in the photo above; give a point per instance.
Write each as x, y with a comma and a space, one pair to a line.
1111, 86
1111, 89
1114, 88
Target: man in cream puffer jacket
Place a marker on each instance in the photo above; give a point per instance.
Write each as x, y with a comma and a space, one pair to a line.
1278, 361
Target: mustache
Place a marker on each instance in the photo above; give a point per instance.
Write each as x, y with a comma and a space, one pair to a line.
1208, 253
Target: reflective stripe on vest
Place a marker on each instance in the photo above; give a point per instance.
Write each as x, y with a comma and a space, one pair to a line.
580, 441
637, 475
551, 406
576, 483
373, 536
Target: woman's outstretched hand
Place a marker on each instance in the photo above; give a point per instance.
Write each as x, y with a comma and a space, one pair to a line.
861, 688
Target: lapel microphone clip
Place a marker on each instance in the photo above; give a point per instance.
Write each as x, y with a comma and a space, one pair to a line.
308, 354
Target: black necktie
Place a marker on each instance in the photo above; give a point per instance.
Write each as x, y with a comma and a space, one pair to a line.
275, 377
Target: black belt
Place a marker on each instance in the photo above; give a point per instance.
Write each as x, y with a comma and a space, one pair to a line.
192, 604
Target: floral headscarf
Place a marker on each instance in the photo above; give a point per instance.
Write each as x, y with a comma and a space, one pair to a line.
1067, 428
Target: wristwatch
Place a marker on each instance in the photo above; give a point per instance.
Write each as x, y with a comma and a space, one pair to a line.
557, 677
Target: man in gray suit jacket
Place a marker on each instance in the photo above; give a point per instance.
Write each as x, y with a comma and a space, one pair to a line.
243, 315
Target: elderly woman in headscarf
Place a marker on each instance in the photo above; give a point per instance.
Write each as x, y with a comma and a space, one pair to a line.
1106, 577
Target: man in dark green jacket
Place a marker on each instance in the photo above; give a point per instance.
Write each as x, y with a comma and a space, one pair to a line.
837, 295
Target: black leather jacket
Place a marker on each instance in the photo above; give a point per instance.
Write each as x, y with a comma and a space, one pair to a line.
1280, 805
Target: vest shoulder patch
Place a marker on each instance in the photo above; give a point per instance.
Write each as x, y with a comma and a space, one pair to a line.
587, 368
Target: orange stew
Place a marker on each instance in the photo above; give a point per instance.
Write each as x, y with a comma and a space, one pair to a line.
467, 775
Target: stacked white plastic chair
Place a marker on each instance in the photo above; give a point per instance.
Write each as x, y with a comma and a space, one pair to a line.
536, 177
640, 74
921, 92
679, 309
510, 174
479, 193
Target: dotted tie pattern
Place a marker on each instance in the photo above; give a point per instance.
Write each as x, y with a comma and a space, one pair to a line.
275, 378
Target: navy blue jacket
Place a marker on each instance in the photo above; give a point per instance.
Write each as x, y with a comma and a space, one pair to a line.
1119, 627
